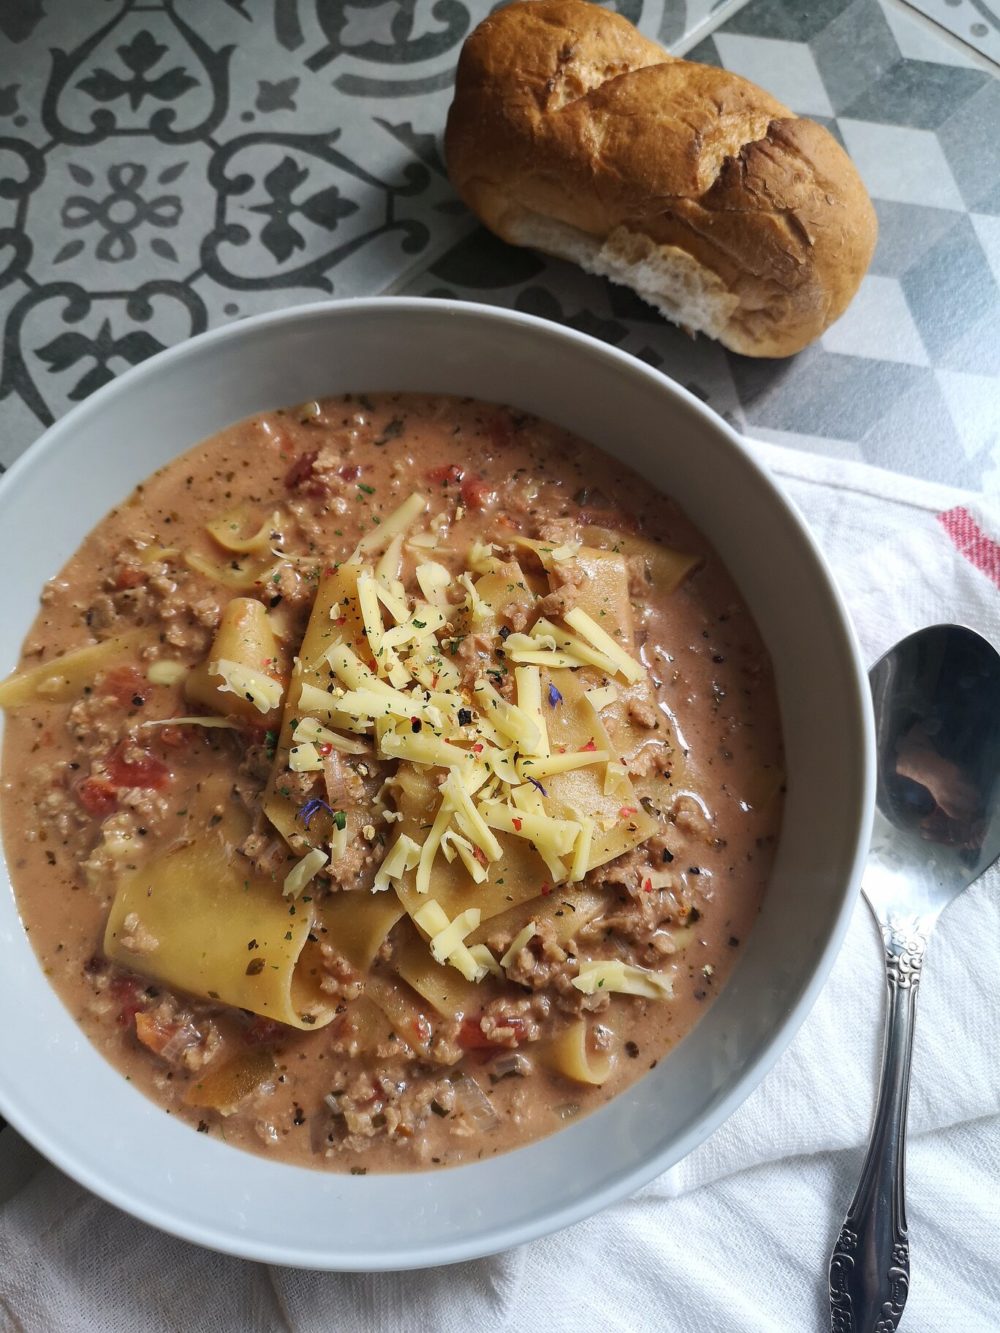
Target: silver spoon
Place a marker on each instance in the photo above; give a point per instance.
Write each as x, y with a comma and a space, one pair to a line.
937, 828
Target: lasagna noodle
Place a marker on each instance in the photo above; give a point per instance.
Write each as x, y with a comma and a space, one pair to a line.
245, 637
64, 677
516, 876
570, 1054
580, 791
442, 986
337, 588
566, 909
205, 928
603, 594
357, 924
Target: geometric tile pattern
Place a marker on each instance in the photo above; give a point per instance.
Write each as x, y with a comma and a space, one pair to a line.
170, 165
909, 377
167, 167
974, 21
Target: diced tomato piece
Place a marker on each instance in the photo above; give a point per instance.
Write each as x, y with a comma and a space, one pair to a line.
128, 576
476, 493
124, 684
144, 770
471, 1036
98, 796
446, 476
127, 991
301, 468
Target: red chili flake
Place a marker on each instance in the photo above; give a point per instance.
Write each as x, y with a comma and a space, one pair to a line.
517, 824
627, 811
585, 749
478, 747
480, 855
325, 748
341, 620
647, 886
545, 890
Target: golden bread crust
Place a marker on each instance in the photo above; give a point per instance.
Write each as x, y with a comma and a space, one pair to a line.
564, 114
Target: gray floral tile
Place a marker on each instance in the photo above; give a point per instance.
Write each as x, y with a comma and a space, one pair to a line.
171, 165
974, 21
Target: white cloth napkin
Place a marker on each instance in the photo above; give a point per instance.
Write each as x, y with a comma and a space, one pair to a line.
735, 1239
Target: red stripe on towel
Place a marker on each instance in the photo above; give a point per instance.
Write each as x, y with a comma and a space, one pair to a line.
972, 542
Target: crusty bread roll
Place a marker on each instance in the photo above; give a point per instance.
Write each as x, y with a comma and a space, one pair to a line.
572, 133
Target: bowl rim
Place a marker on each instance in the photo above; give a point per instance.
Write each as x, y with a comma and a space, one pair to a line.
504, 1236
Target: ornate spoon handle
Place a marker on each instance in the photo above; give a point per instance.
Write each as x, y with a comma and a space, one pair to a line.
870, 1267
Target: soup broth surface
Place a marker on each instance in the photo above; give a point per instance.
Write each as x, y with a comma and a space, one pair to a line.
233, 912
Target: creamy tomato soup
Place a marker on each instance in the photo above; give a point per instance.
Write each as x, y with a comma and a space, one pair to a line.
390, 780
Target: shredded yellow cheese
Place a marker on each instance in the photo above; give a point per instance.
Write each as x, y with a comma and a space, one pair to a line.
304, 758
581, 651
422, 748
314, 700
446, 938
453, 842
624, 979
403, 855
555, 835
397, 522
433, 580
431, 844
303, 871
581, 851
561, 763
601, 696
517, 944
260, 690
469, 817
627, 666
219, 723
483, 958
507, 718
308, 729
528, 682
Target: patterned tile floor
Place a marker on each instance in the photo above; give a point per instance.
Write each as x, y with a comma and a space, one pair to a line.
170, 165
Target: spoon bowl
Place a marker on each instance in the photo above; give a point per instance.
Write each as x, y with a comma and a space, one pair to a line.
936, 698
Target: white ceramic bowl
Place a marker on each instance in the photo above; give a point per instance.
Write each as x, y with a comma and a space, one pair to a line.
84, 1117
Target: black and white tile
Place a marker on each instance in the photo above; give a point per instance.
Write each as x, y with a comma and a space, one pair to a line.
170, 165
